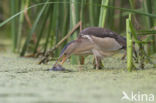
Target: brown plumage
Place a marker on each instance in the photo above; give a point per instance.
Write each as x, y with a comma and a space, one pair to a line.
102, 33
95, 41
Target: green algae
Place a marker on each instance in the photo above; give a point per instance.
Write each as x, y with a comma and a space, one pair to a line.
24, 81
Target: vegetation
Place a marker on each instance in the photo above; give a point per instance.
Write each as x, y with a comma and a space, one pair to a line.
36, 26
37, 30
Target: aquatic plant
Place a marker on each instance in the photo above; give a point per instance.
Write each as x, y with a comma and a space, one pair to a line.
37, 26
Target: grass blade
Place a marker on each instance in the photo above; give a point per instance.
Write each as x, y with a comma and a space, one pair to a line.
21, 19
32, 31
41, 30
103, 13
48, 34
13, 26
106, 6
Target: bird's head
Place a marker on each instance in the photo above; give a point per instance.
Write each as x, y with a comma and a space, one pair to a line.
67, 51
78, 46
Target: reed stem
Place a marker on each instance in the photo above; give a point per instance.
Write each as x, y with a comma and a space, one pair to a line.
103, 13
129, 46
21, 19
13, 26
73, 20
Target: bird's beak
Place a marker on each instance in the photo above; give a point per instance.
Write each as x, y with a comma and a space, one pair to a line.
61, 59
64, 58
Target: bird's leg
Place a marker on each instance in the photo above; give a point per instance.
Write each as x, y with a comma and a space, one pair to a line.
100, 63
82, 60
94, 64
97, 63
97, 58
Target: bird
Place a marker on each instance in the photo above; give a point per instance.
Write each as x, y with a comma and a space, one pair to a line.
97, 41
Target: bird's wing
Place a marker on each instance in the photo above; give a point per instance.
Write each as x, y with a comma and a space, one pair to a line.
106, 44
103, 33
98, 32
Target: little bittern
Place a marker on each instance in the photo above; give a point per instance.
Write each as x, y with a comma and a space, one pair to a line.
95, 41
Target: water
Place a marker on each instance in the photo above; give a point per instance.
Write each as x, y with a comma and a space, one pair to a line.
23, 80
